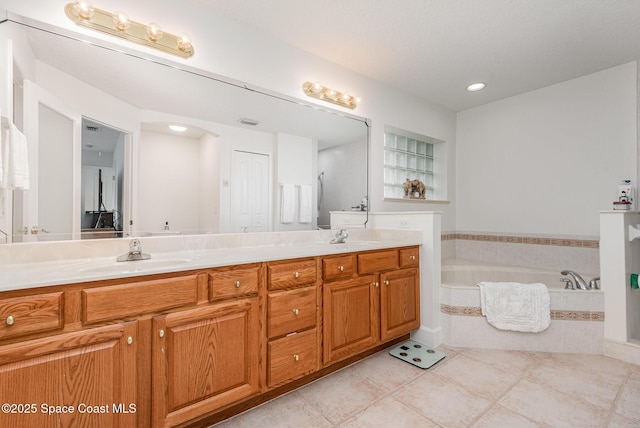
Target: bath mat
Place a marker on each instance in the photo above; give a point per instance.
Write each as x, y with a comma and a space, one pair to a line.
417, 354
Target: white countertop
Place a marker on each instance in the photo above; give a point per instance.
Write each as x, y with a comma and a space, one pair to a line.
175, 254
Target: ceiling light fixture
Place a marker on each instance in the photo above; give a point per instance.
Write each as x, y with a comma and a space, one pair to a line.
118, 24
177, 128
323, 93
476, 87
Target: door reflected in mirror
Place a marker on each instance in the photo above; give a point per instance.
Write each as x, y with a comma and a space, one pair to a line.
124, 172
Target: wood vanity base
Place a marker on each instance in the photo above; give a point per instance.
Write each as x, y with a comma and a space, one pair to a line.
192, 348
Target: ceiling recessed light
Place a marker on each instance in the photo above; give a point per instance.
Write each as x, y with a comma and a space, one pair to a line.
248, 121
475, 87
177, 128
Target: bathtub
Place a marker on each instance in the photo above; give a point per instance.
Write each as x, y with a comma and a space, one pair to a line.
577, 316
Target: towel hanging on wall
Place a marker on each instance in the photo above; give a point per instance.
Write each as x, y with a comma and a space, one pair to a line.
515, 306
305, 213
14, 157
287, 203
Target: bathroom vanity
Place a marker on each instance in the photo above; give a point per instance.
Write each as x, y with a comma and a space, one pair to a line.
198, 344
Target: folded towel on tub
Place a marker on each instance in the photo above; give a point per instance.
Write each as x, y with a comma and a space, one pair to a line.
515, 306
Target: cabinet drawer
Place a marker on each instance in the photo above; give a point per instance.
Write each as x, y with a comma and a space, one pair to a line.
233, 283
338, 267
291, 311
126, 300
410, 257
292, 357
31, 314
292, 274
377, 261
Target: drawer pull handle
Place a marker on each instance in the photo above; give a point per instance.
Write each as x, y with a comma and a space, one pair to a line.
10, 320
341, 268
386, 282
296, 357
161, 333
296, 274
296, 312
412, 257
237, 284
129, 340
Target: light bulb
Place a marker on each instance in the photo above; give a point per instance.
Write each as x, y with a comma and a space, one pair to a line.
154, 32
84, 9
121, 20
184, 42
476, 87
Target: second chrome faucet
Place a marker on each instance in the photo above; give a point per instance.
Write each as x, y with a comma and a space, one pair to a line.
580, 283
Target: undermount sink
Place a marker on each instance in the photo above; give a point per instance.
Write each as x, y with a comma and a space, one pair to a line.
134, 266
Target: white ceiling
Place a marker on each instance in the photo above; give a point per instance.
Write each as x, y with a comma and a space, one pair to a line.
435, 48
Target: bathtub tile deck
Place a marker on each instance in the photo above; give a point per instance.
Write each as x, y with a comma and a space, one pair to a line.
469, 388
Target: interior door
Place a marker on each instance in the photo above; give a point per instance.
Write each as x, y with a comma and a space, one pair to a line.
53, 131
249, 192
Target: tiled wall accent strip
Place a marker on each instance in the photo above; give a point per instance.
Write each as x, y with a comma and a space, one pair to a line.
555, 314
559, 242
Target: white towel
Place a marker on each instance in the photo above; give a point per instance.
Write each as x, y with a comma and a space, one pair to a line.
514, 306
15, 158
287, 203
304, 216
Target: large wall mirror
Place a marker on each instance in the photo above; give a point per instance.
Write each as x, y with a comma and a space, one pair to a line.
120, 145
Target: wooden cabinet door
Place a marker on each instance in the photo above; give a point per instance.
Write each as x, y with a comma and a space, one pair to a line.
81, 379
399, 303
203, 359
351, 317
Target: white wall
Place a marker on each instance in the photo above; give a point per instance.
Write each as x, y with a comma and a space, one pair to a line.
549, 160
343, 178
168, 182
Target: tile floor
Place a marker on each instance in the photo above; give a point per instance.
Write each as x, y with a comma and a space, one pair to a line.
469, 388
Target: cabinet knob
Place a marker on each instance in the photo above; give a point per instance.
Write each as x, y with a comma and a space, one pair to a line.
129, 340
237, 284
341, 268
161, 333
296, 357
296, 274
386, 282
412, 257
10, 320
296, 312
377, 284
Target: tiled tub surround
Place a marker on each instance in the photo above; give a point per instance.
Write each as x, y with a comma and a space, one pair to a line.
576, 315
577, 253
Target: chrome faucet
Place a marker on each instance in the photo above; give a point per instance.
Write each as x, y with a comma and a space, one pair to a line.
340, 238
593, 284
580, 282
135, 252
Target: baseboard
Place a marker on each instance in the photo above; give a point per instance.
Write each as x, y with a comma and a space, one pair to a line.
431, 337
625, 351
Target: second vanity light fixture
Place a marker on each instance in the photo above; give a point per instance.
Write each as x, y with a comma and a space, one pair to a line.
323, 93
118, 24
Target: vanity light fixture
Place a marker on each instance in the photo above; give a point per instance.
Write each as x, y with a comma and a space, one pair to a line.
118, 24
476, 87
323, 93
177, 128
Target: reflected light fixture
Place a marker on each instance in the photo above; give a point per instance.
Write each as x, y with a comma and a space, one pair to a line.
118, 24
316, 90
476, 87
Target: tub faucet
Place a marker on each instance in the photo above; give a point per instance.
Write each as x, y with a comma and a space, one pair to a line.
135, 252
340, 238
579, 281
593, 284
